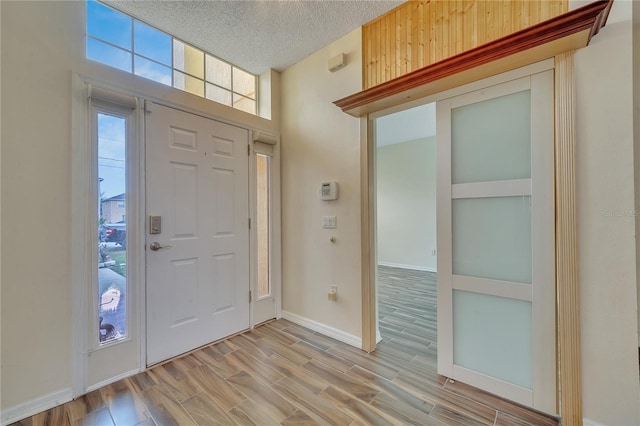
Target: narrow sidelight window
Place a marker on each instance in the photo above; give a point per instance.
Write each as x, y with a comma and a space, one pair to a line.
263, 170
112, 289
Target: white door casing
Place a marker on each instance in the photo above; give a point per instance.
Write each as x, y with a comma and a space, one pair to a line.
197, 182
118, 358
496, 263
265, 307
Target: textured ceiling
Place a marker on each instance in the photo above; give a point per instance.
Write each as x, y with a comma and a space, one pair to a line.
257, 35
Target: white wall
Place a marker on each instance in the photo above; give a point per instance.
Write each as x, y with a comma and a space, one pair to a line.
606, 224
406, 198
39, 58
319, 143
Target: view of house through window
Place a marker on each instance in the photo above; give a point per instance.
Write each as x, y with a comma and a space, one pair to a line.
112, 227
263, 219
118, 40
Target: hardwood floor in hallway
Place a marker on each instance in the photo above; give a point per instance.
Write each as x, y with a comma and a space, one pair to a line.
281, 373
407, 315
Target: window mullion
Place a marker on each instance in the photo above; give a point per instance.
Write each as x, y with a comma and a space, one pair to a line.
114, 59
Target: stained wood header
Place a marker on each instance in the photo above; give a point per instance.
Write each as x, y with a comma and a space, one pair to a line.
566, 32
419, 33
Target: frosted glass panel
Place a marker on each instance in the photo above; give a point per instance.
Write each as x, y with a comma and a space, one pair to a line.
492, 238
218, 94
491, 140
187, 83
244, 83
188, 59
218, 72
244, 104
492, 335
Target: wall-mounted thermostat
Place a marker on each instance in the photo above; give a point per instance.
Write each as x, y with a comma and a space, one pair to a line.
329, 191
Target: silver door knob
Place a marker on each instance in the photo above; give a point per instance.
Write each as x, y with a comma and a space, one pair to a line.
155, 246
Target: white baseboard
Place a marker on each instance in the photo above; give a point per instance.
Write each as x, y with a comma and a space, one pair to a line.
587, 422
35, 406
324, 329
412, 267
112, 380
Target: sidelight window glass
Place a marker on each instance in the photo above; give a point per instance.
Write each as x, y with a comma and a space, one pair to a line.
112, 227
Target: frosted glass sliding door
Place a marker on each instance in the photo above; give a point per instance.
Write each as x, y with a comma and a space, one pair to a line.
496, 276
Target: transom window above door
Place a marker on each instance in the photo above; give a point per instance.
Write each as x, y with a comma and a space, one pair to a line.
120, 41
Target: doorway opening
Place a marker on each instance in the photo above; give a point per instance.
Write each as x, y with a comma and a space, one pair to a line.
405, 173
482, 220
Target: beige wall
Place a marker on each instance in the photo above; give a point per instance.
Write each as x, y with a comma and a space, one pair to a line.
605, 184
0, 214
406, 198
44, 50
606, 224
36, 133
636, 135
320, 143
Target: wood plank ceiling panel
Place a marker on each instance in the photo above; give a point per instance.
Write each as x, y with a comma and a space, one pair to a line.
563, 33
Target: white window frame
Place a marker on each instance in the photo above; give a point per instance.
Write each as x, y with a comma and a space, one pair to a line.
172, 66
266, 144
129, 115
87, 102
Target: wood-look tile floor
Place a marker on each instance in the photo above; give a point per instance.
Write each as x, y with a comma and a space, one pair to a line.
281, 373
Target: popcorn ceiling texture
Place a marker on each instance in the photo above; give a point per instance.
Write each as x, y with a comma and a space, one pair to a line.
257, 35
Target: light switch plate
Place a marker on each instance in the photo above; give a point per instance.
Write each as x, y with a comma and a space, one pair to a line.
329, 222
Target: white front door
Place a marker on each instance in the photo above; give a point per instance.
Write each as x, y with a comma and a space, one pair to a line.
496, 261
197, 185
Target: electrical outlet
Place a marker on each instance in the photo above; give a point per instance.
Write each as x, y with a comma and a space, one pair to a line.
333, 293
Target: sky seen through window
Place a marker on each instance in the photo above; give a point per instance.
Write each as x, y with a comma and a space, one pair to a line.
122, 42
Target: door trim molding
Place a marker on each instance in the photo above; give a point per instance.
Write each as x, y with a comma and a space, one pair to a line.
368, 243
80, 160
83, 242
114, 379
275, 223
567, 297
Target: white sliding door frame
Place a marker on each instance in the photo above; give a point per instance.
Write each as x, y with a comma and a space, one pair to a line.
541, 292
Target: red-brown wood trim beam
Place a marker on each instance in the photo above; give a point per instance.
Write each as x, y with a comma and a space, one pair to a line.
592, 17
